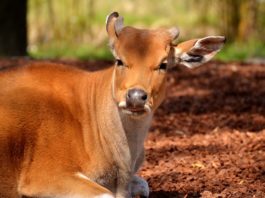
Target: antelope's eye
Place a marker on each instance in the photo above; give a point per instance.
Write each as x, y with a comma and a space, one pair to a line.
163, 66
119, 63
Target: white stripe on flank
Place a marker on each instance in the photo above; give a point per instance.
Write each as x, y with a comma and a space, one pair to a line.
82, 196
104, 196
81, 175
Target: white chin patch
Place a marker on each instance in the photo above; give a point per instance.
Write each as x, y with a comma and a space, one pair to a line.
147, 108
122, 105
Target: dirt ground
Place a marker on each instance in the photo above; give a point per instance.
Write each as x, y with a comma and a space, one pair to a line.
208, 137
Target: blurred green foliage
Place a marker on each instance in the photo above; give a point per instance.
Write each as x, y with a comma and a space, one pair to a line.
76, 28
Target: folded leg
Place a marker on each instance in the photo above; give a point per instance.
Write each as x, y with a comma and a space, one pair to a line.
69, 186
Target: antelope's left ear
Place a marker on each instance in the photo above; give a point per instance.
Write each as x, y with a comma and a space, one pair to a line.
193, 53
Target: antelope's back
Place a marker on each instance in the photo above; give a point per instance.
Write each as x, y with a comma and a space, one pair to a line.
28, 95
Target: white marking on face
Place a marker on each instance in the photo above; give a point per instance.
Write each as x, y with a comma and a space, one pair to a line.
127, 111
147, 108
122, 104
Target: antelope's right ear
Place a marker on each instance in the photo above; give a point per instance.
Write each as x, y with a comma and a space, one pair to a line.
114, 25
193, 53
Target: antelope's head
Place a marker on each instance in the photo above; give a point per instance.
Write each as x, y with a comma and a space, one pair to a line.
143, 58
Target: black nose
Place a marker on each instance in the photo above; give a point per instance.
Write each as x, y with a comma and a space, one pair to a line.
136, 98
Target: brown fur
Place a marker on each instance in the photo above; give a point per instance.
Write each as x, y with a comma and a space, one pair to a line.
62, 131
44, 111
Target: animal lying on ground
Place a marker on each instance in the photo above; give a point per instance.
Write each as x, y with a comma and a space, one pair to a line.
66, 132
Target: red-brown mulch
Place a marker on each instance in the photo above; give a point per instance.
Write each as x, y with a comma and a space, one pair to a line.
208, 137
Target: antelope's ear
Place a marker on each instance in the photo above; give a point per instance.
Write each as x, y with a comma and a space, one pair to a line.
114, 25
193, 53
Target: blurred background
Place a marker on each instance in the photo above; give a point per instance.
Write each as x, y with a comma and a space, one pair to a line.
207, 139
76, 28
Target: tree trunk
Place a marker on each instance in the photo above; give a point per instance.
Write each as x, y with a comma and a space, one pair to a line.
248, 19
13, 28
230, 18
91, 16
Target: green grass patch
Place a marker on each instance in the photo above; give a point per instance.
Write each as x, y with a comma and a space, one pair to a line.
230, 52
240, 51
82, 52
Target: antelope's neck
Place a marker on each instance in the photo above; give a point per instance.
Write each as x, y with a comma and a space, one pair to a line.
108, 123
120, 136
132, 130
136, 130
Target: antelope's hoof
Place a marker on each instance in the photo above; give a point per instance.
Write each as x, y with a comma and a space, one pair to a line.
139, 187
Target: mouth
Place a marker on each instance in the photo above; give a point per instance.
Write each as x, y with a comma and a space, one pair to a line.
134, 111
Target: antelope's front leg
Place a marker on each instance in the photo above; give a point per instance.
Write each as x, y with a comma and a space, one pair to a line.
139, 187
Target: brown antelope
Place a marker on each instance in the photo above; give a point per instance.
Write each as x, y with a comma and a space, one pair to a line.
70, 133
